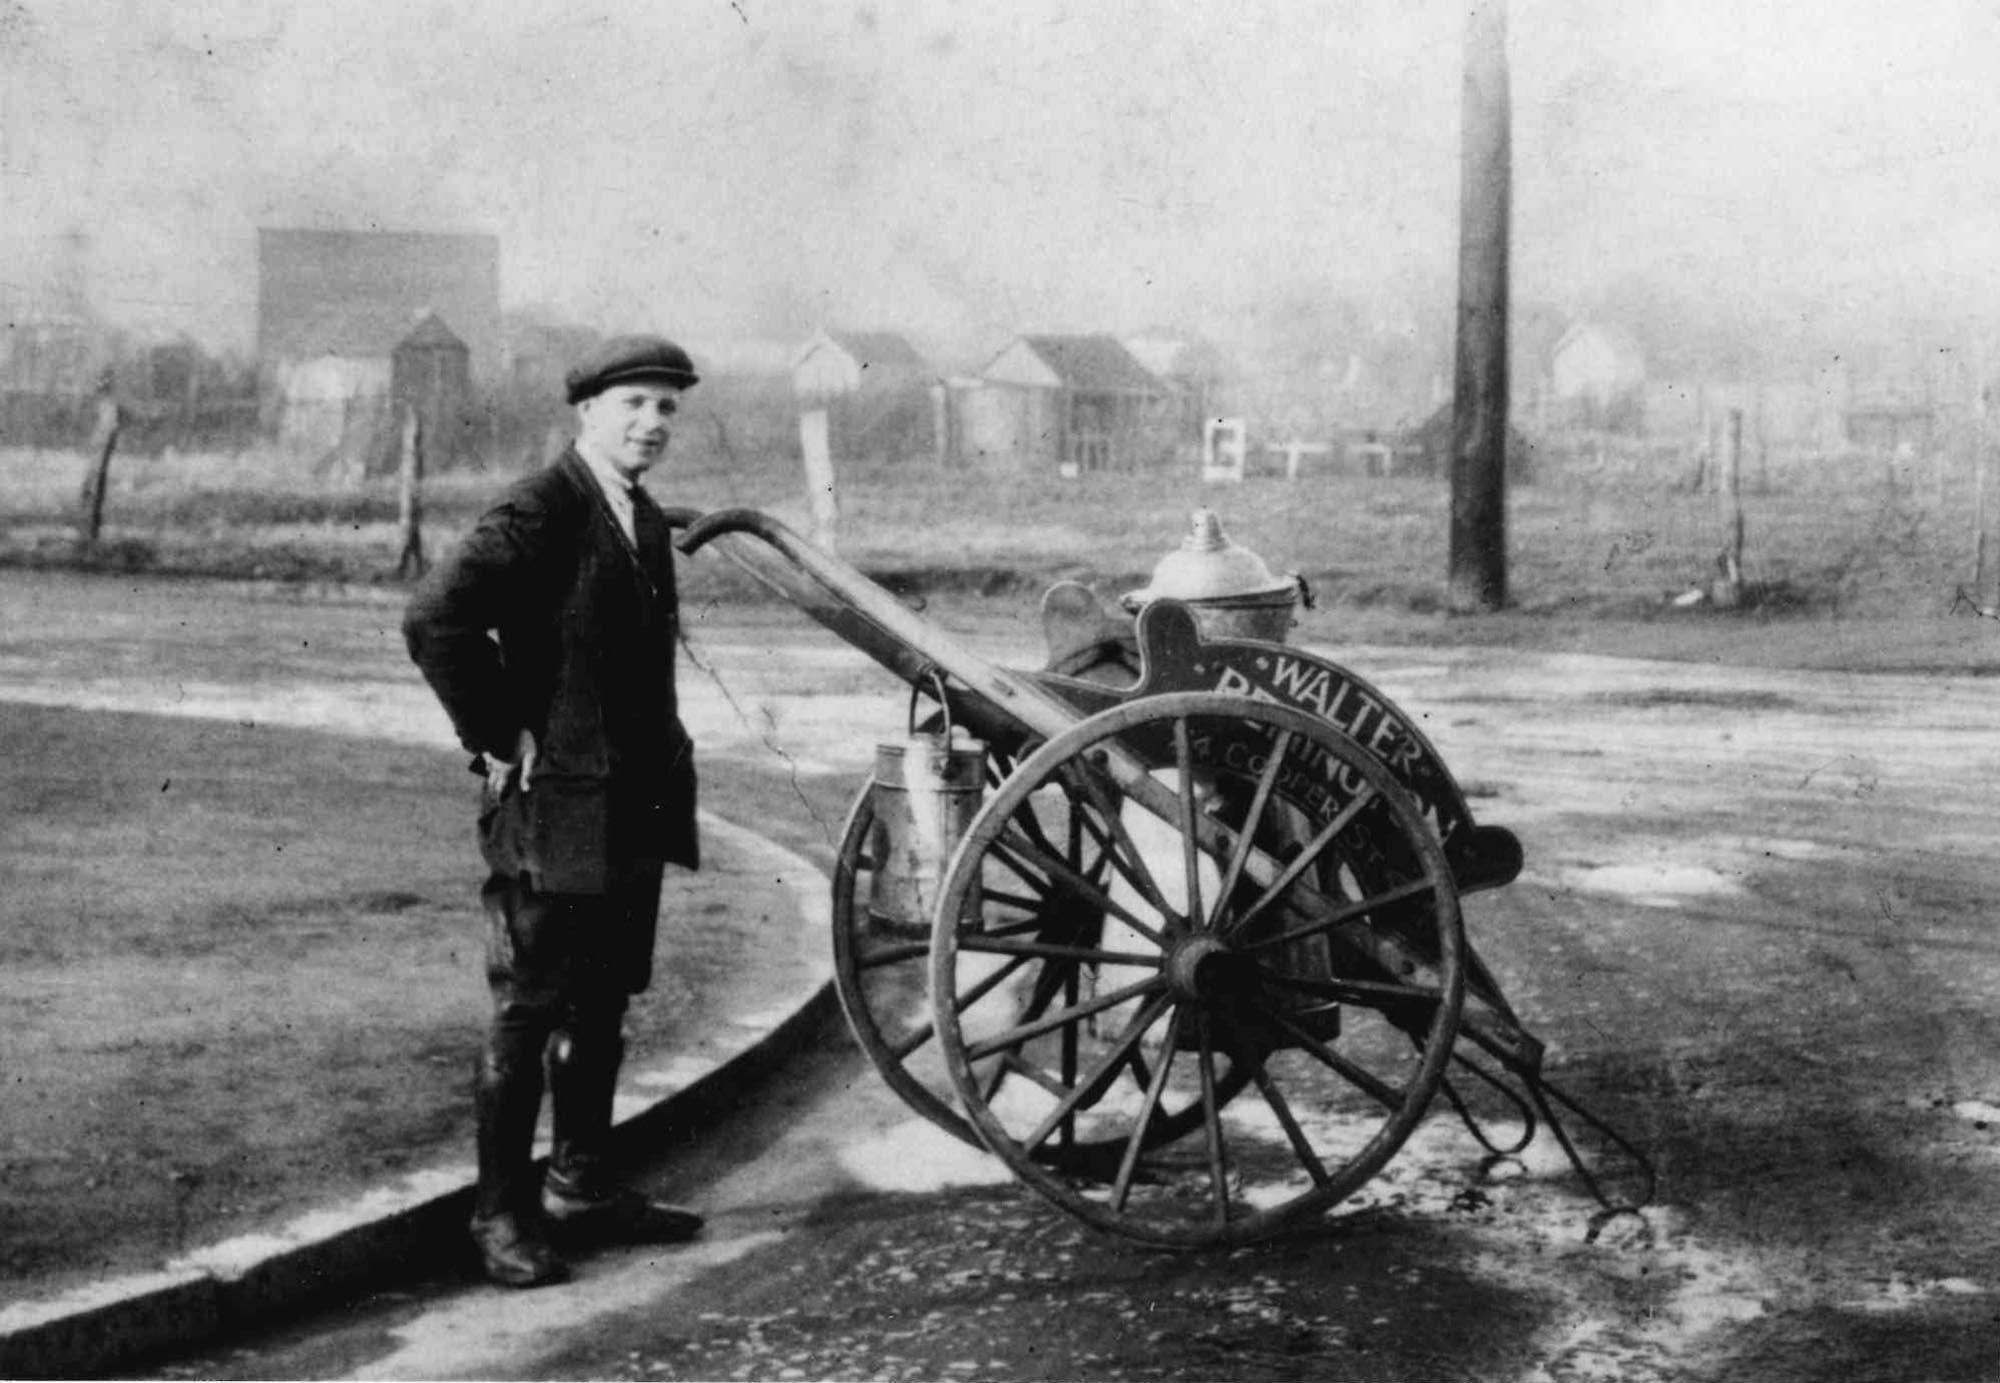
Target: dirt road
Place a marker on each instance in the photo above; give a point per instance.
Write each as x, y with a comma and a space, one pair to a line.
1754, 928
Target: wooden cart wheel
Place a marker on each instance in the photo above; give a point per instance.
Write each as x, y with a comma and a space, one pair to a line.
880, 974
1291, 923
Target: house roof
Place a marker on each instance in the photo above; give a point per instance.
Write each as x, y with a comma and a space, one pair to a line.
430, 333
878, 349
1609, 335
1172, 357
1098, 364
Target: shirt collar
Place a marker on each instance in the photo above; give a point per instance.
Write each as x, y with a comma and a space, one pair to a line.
608, 475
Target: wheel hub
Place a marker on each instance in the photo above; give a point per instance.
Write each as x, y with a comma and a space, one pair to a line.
1200, 967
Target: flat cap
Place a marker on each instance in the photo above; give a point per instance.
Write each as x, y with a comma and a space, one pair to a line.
627, 359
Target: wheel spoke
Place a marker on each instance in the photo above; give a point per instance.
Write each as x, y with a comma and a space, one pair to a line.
1048, 979
1016, 900
1069, 1058
1125, 855
1304, 860
1247, 833
1218, 1170
1100, 1073
893, 954
1373, 994
1345, 912
1051, 1021
1061, 873
1190, 846
1358, 1076
1021, 927
905, 1046
1121, 1185
1013, 1064
1301, 1146
963, 1002
1031, 825
1006, 946
923, 1032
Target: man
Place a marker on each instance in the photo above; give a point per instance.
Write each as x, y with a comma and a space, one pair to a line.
549, 638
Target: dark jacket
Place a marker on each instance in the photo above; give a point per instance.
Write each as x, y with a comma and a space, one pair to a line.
545, 618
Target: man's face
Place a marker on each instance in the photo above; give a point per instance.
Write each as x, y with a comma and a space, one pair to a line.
630, 423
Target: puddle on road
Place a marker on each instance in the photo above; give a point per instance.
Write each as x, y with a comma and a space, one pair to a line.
1653, 885
1705, 868
917, 1157
1712, 1292
1902, 1294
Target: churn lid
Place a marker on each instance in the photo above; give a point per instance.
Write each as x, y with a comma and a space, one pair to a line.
1209, 567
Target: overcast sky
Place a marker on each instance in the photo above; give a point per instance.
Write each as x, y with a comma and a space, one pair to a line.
738, 167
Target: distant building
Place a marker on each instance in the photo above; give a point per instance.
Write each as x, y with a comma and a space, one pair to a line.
1200, 375
1891, 426
879, 394
332, 306
1066, 403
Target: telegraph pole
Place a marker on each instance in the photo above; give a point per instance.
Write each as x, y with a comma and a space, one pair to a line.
1478, 553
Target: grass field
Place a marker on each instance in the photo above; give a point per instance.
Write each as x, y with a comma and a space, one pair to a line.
242, 973
1597, 534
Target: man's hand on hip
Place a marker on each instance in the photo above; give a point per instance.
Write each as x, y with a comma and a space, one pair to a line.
500, 772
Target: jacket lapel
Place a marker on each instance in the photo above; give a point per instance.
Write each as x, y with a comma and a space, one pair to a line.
642, 564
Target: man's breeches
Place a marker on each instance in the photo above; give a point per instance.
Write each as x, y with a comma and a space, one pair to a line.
567, 962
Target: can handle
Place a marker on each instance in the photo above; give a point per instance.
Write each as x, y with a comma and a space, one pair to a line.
936, 680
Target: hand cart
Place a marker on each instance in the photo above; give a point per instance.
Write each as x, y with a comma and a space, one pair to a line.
1186, 954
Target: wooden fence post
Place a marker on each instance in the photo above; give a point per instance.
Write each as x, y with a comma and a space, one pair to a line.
104, 441
941, 449
411, 500
1982, 443
816, 446
1729, 491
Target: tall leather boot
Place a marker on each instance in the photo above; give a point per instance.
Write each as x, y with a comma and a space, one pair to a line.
581, 1196
507, 1224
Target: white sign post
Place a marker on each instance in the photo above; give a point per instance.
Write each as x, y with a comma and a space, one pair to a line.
817, 449
1223, 449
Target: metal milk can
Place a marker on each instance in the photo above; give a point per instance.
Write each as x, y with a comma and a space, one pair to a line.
925, 791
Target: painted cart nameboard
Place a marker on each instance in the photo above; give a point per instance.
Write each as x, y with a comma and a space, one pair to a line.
1173, 657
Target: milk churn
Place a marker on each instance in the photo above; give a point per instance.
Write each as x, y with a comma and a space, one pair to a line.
926, 790
1232, 593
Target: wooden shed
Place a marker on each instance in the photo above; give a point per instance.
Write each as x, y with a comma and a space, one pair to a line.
430, 374
1068, 403
878, 393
